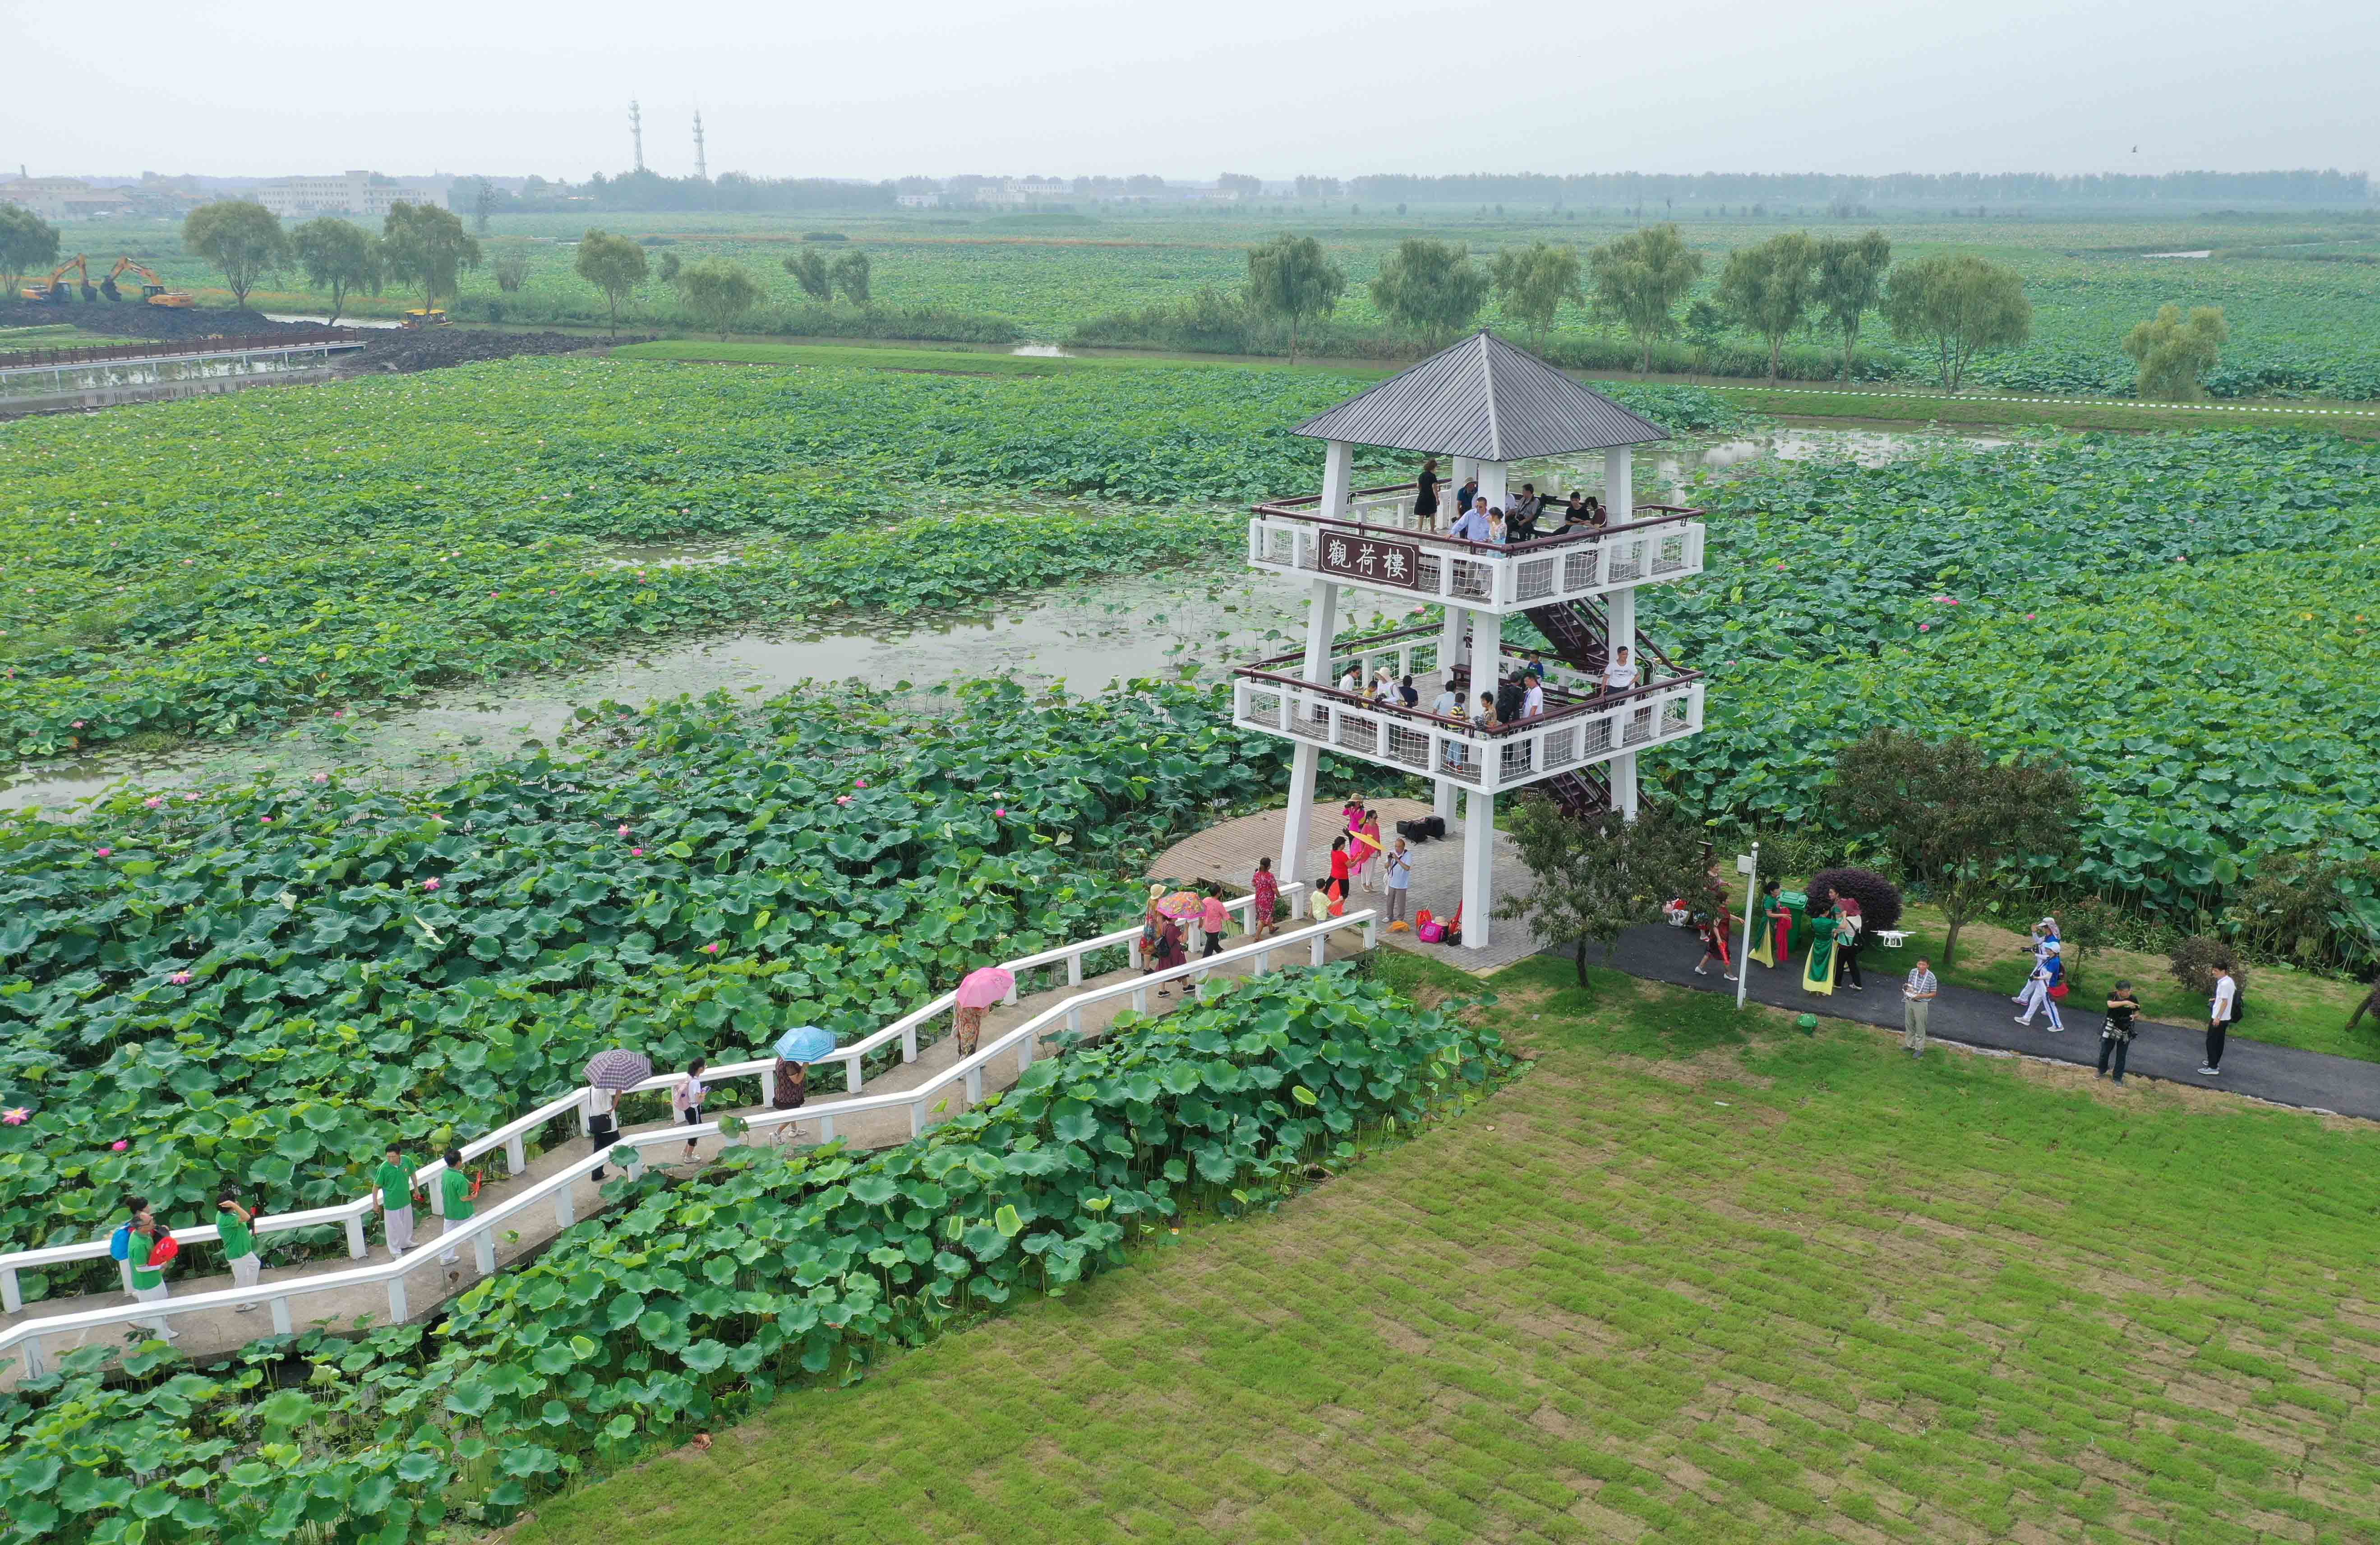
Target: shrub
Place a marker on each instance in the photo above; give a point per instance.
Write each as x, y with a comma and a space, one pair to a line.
1880, 898
2200, 958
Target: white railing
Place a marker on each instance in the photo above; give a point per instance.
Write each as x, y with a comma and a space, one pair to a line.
511, 1137
1561, 741
1484, 579
480, 1232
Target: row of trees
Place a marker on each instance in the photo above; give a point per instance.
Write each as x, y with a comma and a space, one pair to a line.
719, 294
419, 245
1954, 305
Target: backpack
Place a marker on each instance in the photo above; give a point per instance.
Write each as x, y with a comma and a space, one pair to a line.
119, 1243
2239, 1000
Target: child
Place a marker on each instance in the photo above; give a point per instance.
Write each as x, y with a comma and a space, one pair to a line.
236, 1224
1714, 930
396, 1185
1213, 918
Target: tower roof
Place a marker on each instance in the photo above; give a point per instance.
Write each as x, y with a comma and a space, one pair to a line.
1483, 398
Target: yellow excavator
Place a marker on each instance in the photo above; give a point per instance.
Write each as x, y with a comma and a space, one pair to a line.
153, 288
53, 291
425, 317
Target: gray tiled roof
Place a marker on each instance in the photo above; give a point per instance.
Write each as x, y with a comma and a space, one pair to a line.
1483, 398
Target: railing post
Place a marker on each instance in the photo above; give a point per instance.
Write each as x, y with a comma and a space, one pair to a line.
34, 1366
566, 1210
585, 1098
1074, 970
1371, 932
483, 1248
516, 1155
281, 1324
1321, 947
852, 1078
356, 1237
1140, 1000
826, 1128
11, 1298
1263, 962
397, 1309
909, 1045
1074, 1020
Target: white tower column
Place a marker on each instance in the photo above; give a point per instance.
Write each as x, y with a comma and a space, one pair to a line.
1479, 867
1297, 829
1450, 642
1338, 478
1620, 607
1619, 484
1491, 485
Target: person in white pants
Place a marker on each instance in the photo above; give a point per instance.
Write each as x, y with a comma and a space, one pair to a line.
236, 1225
151, 1248
2045, 972
395, 1183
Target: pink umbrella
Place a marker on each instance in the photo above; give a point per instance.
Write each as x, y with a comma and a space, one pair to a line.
1181, 905
985, 986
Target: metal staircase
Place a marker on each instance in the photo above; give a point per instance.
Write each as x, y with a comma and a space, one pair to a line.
1579, 632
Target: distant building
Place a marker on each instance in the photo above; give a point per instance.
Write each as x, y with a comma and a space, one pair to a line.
1022, 192
919, 200
362, 193
65, 198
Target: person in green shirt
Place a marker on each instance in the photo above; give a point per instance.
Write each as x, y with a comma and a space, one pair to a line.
152, 1247
394, 1183
455, 1191
236, 1224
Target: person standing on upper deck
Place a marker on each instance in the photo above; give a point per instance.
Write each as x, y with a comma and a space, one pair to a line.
1475, 526
1426, 493
1463, 496
1620, 675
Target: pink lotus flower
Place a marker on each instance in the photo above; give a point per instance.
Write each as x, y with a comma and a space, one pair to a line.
118, 1146
999, 809
78, 724
189, 800
338, 713
429, 884
104, 852
861, 784
623, 831
264, 820
321, 777
1925, 627
180, 978
2028, 617
711, 948
842, 799
636, 853
16, 1115
152, 801
264, 659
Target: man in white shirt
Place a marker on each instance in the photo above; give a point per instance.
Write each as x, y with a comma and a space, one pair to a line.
1620, 675
1474, 526
1533, 701
2220, 1012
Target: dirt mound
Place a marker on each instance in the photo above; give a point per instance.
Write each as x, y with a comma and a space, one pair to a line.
131, 319
403, 353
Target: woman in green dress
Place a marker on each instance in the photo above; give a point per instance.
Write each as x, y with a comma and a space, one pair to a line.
1819, 975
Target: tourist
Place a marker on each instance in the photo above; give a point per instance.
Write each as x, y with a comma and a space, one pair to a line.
966, 1028
1369, 850
1848, 923
1714, 930
1265, 887
1486, 716
1408, 694
1342, 865
456, 1191
1819, 974
1620, 675
1595, 518
2041, 987
153, 1250
1317, 902
1777, 927
1399, 867
1573, 515
2221, 1011
2116, 1036
1213, 918
1448, 703
1510, 695
1425, 492
1352, 682
1533, 696
1500, 531
119, 1243
1465, 495
1475, 523
1458, 755
685, 1100
1170, 949
1535, 668
235, 1226
1916, 1001
396, 1185
1526, 508
602, 1122
789, 1089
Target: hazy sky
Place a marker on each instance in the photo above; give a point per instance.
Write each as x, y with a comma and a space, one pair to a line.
1272, 87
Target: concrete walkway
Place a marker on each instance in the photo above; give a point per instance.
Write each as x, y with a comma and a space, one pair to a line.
1227, 855
1972, 1016
218, 1332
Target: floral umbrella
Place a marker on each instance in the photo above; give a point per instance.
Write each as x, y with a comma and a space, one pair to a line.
1181, 905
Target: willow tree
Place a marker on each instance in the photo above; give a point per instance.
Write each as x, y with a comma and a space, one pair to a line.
1849, 282
1955, 305
1766, 288
1531, 284
1640, 278
1291, 280
2174, 355
1429, 288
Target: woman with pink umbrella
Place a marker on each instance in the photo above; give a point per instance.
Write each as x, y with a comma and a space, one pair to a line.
982, 988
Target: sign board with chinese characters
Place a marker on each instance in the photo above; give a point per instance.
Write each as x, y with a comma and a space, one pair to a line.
1371, 561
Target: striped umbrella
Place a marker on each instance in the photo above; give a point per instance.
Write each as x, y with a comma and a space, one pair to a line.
616, 1069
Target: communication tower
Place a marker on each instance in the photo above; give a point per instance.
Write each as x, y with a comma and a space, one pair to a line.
701, 167
636, 131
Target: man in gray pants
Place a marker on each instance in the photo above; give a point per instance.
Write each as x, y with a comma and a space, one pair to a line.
1916, 998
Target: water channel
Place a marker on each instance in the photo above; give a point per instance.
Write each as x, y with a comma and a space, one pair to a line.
1170, 623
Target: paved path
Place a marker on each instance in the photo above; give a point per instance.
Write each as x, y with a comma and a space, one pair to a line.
1972, 1016
1227, 852
217, 1331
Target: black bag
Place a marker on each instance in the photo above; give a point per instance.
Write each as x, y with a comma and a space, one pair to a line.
1421, 828
2239, 1000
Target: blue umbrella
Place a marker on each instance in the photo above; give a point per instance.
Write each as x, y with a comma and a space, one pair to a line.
804, 1043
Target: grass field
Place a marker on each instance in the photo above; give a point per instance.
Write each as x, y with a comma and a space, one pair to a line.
1691, 1279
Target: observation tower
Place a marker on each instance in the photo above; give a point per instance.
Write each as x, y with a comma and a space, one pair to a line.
1482, 404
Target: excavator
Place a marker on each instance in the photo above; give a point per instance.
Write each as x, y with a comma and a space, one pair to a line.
153, 288
53, 291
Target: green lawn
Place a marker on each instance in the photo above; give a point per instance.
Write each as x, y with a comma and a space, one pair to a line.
1691, 1278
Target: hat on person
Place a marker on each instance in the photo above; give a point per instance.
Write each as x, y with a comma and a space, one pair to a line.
2049, 946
